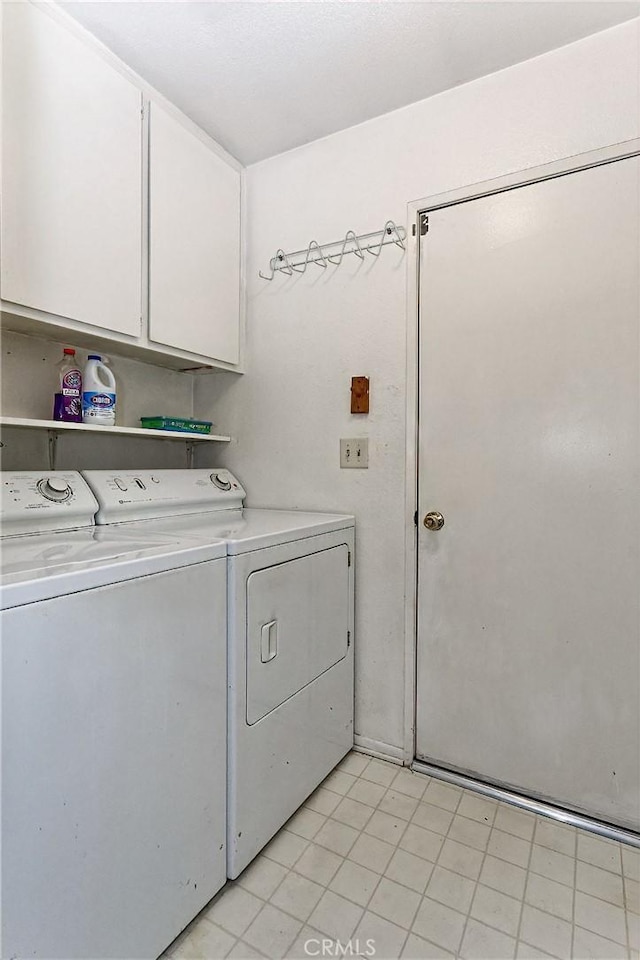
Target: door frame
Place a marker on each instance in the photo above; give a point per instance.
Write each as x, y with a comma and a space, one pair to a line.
521, 178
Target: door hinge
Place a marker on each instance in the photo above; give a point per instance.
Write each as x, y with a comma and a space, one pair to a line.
424, 224
348, 638
348, 558
415, 518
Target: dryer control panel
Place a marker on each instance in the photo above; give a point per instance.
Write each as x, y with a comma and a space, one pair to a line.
38, 502
152, 494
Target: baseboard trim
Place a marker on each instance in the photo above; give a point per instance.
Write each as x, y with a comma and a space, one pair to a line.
377, 748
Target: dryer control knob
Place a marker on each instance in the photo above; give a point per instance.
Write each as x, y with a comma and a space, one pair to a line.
220, 482
54, 488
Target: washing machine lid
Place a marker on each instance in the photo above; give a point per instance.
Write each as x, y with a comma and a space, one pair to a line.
48, 565
245, 530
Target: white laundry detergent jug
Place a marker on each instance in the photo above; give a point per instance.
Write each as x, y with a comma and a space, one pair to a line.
98, 393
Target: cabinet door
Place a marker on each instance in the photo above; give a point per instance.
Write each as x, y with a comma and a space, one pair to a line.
72, 184
194, 243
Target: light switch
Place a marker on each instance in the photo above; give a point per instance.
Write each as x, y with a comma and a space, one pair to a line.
354, 453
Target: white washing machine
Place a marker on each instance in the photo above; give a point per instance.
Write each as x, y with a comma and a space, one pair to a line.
113, 652
290, 636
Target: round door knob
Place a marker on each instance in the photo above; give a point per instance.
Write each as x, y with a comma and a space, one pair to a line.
434, 520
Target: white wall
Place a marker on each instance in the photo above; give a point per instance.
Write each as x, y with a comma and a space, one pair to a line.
307, 336
29, 381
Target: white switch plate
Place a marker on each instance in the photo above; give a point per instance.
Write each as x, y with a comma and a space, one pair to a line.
354, 453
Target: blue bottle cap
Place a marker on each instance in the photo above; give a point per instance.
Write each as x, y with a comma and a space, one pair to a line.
94, 356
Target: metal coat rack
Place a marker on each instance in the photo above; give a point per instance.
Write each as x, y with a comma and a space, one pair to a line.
324, 254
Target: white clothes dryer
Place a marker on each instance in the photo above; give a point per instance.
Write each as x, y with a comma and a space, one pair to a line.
113, 652
290, 578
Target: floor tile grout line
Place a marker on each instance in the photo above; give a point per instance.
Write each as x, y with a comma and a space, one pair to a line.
573, 897
363, 829
244, 944
415, 913
397, 846
527, 874
541, 876
327, 887
264, 904
601, 936
345, 858
267, 903
624, 903
577, 889
485, 853
437, 863
607, 903
291, 869
382, 876
199, 917
477, 881
626, 910
525, 943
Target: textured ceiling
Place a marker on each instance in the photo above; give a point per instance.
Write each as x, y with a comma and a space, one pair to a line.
263, 77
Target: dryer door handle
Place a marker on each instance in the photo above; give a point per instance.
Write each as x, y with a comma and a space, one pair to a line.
269, 641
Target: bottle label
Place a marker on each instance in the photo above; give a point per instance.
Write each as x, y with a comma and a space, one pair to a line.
98, 404
71, 383
67, 408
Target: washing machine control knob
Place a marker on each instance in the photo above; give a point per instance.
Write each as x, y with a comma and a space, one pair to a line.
220, 482
54, 488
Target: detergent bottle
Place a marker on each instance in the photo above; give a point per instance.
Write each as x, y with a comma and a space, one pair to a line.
98, 393
68, 400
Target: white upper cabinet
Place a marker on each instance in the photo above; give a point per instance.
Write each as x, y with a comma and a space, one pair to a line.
194, 243
72, 177
76, 226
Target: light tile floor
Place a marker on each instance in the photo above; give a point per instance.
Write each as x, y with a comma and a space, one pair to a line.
425, 870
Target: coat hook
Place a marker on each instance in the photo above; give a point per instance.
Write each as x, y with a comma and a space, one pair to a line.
318, 253
321, 261
389, 228
279, 258
349, 236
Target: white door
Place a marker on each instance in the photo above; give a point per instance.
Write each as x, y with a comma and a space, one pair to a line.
528, 647
71, 176
194, 243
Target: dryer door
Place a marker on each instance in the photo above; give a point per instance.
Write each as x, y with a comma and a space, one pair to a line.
297, 623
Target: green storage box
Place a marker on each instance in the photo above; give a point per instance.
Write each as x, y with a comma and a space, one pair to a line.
179, 424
